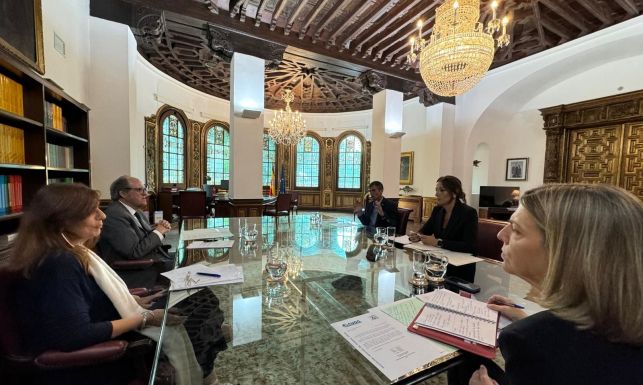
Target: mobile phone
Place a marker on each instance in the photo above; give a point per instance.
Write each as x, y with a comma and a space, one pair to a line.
459, 283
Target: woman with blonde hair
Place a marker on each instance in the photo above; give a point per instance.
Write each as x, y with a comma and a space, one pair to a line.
582, 247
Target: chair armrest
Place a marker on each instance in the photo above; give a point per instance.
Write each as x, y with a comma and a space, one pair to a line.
144, 292
137, 264
102, 352
166, 247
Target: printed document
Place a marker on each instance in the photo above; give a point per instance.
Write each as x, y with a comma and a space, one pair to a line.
187, 277
387, 344
455, 258
211, 233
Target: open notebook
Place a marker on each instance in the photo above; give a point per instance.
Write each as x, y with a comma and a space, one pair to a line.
459, 321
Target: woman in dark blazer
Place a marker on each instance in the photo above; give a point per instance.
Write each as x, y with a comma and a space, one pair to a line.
580, 246
453, 224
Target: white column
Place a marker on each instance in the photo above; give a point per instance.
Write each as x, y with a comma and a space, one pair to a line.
246, 134
385, 150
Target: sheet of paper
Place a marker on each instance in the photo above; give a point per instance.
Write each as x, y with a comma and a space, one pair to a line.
455, 258
403, 310
403, 239
178, 296
217, 244
186, 278
388, 345
211, 233
457, 303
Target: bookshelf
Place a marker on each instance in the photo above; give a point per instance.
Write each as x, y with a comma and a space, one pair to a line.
44, 137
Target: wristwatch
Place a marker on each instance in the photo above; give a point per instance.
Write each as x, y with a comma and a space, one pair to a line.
439, 242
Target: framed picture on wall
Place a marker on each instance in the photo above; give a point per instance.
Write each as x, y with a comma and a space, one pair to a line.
406, 168
21, 31
517, 169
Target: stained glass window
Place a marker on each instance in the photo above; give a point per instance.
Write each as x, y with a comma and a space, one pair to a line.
349, 164
217, 158
307, 162
269, 159
173, 147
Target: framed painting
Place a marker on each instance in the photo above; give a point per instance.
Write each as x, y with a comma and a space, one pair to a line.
21, 31
406, 168
516, 169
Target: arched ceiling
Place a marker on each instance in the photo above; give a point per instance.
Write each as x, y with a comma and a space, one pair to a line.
334, 54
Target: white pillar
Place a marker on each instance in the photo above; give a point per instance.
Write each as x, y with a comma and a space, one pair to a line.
246, 134
385, 150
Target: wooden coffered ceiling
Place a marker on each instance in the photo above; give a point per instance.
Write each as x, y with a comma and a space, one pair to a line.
334, 54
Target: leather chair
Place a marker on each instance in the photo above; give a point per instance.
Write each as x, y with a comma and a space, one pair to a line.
281, 208
192, 204
19, 366
294, 203
402, 220
487, 244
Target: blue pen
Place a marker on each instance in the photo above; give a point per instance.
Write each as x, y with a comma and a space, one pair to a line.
210, 274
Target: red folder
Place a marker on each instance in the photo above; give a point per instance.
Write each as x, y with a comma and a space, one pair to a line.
472, 347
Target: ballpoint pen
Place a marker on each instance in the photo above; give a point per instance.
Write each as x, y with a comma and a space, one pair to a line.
210, 274
509, 304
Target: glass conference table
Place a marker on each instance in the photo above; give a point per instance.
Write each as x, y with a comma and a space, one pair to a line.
281, 332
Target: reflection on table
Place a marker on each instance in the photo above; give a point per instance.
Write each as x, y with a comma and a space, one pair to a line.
281, 331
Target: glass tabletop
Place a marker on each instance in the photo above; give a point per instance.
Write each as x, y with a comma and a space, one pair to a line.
262, 331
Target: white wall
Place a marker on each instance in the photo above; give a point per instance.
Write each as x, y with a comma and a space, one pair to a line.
69, 19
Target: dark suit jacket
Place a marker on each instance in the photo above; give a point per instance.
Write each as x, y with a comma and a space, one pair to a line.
122, 238
544, 349
461, 231
390, 218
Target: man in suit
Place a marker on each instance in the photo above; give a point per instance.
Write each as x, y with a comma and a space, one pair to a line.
379, 211
128, 235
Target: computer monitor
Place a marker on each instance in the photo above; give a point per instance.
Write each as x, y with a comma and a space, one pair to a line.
497, 196
225, 184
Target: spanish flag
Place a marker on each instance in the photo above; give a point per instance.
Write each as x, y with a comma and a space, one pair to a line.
272, 182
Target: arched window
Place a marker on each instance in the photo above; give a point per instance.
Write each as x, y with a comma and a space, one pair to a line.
217, 150
269, 159
173, 149
307, 163
349, 164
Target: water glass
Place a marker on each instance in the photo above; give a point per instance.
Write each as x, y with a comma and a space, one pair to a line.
419, 272
381, 236
250, 235
390, 236
436, 267
276, 265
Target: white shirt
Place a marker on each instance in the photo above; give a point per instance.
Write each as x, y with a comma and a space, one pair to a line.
133, 211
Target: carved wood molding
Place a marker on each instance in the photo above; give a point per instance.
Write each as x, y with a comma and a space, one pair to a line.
596, 141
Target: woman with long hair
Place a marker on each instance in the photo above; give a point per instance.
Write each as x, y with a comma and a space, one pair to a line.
581, 247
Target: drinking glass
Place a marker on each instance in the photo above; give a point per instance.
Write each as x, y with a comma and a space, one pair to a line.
380, 237
276, 264
390, 236
250, 235
419, 272
436, 267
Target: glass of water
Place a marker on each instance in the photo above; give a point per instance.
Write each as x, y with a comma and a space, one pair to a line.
381, 236
436, 267
390, 236
276, 264
419, 272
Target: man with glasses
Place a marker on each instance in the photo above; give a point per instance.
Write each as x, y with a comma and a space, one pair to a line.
128, 235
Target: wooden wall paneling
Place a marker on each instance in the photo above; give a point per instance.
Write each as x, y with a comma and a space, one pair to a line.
428, 203
413, 202
151, 153
193, 155
596, 141
346, 200
309, 199
329, 172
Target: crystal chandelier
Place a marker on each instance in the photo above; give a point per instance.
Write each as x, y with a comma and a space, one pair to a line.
460, 50
287, 127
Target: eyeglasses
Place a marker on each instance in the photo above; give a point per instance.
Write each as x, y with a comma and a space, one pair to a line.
140, 190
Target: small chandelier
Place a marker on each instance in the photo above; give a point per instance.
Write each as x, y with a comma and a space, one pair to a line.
287, 127
460, 50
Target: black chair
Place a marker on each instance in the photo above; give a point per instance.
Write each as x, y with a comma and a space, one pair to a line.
192, 204
281, 208
402, 220
294, 203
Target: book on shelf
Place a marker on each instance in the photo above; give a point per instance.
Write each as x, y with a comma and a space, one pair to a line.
12, 145
54, 117
6, 240
60, 156
459, 321
10, 194
11, 98
60, 180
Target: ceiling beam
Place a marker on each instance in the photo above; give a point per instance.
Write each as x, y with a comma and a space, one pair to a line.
564, 36
593, 8
334, 12
629, 7
355, 17
260, 9
318, 8
275, 15
293, 16
539, 27
196, 11
567, 14
378, 14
